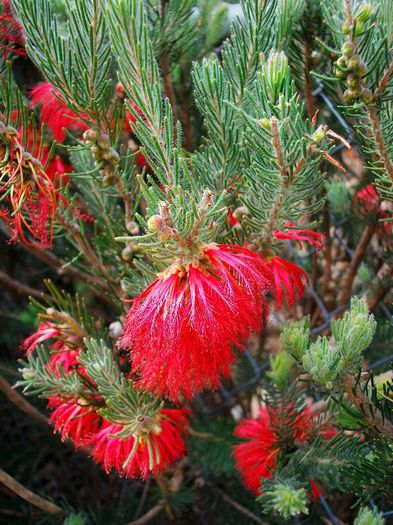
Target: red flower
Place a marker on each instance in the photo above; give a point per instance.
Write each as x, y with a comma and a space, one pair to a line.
367, 201
294, 234
44, 332
151, 451
273, 432
74, 419
11, 37
54, 113
182, 328
289, 280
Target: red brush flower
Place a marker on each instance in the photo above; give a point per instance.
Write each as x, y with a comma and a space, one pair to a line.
74, 419
28, 192
54, 113
151, 449
368, 202
44, 332
294, 234
182, 328
11, 37
273, 432
289, 280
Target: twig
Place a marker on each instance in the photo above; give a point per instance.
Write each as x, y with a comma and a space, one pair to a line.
142, 499
384, 81
18, 287
242, 509
357, 258
19, 401
365, 405
150, 515
387, 163
29, 496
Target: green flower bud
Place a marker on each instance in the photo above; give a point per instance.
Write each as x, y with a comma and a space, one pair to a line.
353, 62
155, 223
319, 134
91, 135
342, 62
361, 70
349, 95
348, 49
352, 81
108, 179
339, 73
345, 29
366, 96
359, 28
133, 228
264, 123
364, 12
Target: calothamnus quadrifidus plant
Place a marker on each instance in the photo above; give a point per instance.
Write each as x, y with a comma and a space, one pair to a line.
178, 170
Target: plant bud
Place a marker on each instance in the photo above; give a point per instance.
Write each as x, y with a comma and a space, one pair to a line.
91, 135
353, 62
115, 158
108, 179
319, 134
350, 95
348, 49
11, 130
103, 142
133, 228
345, 29
339, 73
365, 12
107, 154
359, 28
115, 330
264, 123
341, 63
352, 81
155, 223
366, 96
361, 69
127, 253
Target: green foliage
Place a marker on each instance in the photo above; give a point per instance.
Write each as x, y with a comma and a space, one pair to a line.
338, 197
284, 498
368, 516
281, 365
124, 405
212, 451
76, 63
295, 337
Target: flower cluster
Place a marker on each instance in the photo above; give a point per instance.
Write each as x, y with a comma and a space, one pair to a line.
11, 37
276, 431
155, 441
182, 330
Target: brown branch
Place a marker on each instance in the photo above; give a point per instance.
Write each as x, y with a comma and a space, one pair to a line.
384, 81
150, 515
242, 510
387, 163
310, 104
327, 248
19, 401
365, 405
18, 287
29, 496
357, 258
